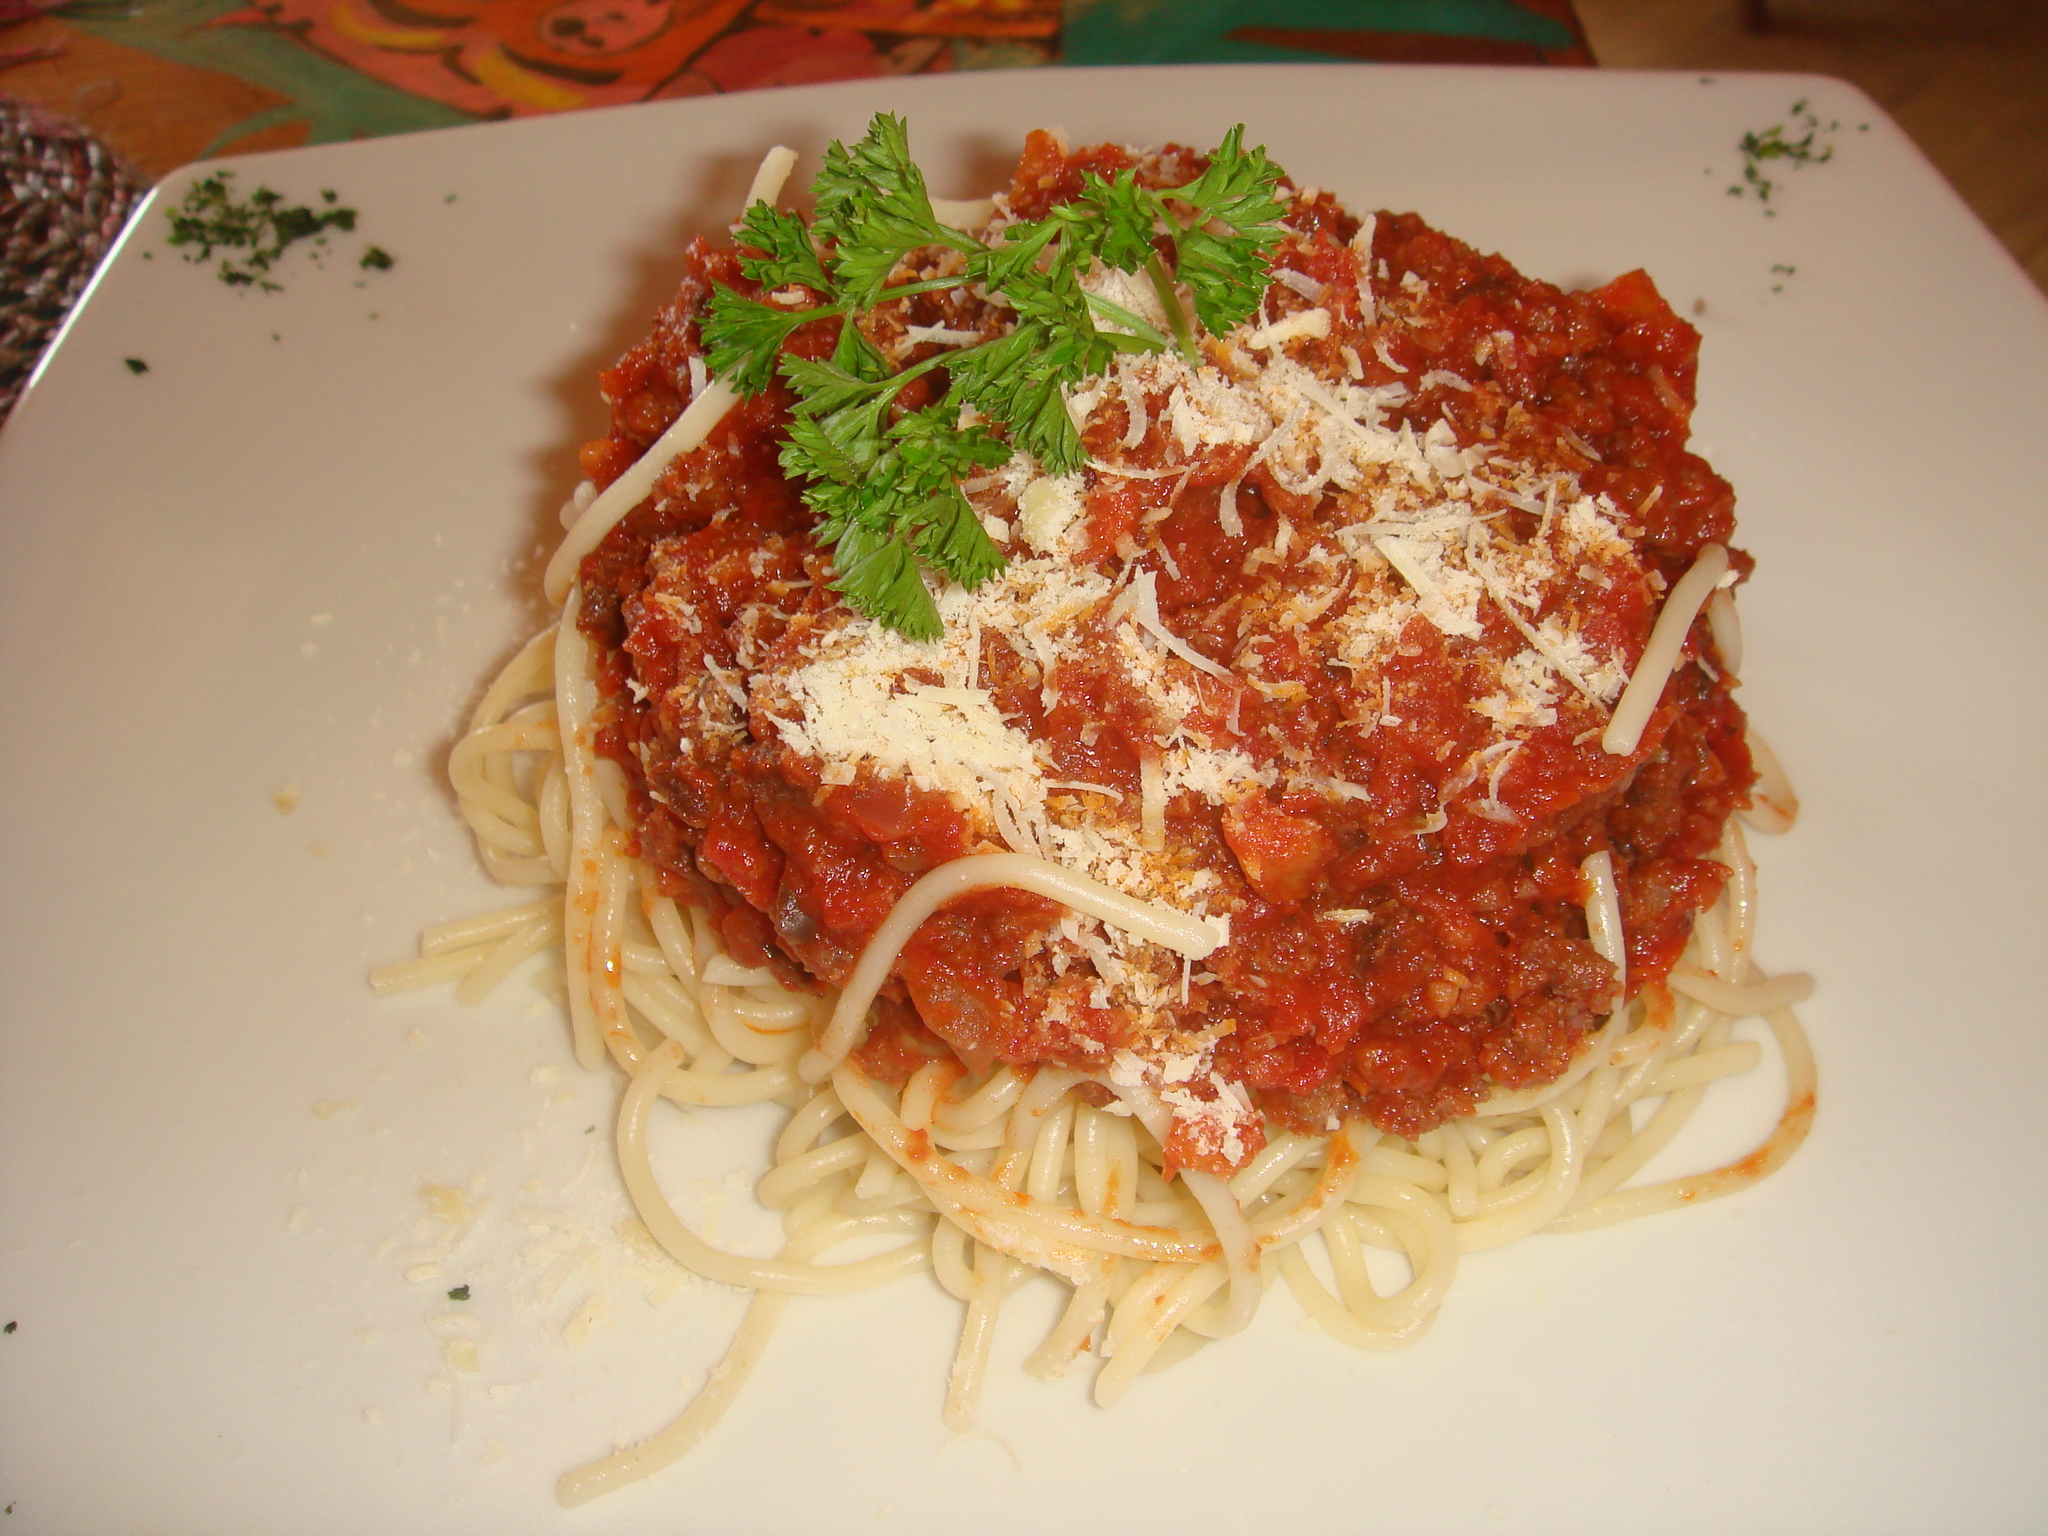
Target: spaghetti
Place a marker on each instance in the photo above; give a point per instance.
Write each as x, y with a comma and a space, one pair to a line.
1132, 1163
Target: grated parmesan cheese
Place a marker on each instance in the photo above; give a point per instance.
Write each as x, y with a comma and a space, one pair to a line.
1416, 538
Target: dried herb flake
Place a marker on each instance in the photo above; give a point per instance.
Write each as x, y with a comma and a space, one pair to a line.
250, 234
1775, 143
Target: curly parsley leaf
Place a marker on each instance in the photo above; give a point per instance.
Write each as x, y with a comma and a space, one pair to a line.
1225, 269
1121, 216
743, 337
854, 372
786, 253
1021, 380
872, 207
816, 452
949, 535
894, 492
936, 452
878, 574
858, 356
1038, 269
825, 388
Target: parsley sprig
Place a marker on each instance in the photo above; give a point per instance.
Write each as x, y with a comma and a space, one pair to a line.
884, 479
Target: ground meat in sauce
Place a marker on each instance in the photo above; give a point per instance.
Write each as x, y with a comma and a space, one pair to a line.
1460, 957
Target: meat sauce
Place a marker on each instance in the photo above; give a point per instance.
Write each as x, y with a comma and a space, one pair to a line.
1462, 959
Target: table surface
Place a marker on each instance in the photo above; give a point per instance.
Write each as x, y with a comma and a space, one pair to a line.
166, 82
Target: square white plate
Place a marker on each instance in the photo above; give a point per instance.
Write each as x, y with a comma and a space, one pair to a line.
246, 597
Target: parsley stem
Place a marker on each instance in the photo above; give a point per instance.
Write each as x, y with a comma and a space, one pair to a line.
1170, 302
928, 285
1145, 329
896, 381
1127, 345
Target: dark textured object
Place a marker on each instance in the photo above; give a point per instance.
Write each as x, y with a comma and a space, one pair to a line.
63, 200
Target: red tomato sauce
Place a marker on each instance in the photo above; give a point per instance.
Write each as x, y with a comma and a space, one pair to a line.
1463, 959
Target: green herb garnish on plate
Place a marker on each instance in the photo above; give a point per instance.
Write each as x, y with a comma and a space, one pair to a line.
252, 233
1776, 143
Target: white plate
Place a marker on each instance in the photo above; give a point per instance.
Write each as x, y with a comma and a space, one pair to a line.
279, 563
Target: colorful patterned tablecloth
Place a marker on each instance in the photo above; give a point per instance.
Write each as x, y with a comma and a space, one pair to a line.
133, 89
169, 81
